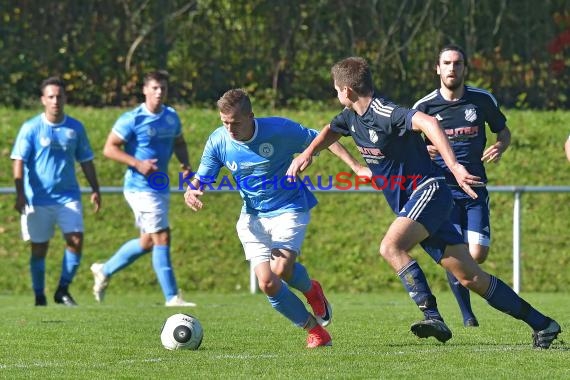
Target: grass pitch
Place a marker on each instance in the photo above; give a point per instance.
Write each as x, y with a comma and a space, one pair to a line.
245, 339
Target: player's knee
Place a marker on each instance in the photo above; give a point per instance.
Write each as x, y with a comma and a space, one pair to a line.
280, 271
74, 242
269, 287
480, 254
387, 250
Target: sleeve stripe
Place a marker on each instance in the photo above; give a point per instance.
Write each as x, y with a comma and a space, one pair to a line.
481, 91
118, 134
381, 109
429, 96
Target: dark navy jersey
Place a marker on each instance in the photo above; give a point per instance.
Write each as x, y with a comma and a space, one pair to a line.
396, 155
464, 123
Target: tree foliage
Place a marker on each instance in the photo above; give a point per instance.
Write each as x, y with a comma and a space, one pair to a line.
280, 51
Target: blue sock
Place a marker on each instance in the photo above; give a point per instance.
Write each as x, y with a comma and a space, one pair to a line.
38, 272
125, 256
288, 304
300, 278
461, 294
69, 265
503, 298
417, 287
163, 270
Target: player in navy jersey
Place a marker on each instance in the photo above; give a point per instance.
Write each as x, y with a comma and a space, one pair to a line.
389, 138
275, 214
144, 139
47, 191
462, 112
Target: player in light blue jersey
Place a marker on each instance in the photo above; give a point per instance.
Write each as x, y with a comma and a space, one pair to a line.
47, 191
275, 214
389, 138
144, 139
463, 111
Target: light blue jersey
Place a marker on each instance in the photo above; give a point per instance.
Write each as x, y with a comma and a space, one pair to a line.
259, 165
147, 136
49, 152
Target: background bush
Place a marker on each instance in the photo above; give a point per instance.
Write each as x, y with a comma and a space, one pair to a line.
280, 51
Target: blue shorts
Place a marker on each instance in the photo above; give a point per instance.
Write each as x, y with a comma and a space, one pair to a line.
431, 205
471, 216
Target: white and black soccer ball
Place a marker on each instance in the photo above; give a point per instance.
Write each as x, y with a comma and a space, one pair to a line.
181, 332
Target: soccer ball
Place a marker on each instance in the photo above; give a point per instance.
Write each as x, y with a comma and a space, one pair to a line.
181, 332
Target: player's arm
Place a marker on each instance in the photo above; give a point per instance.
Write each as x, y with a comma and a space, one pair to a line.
567, 148
323, 140
91, 175
181, 153
18, 172
113, 149
192, 193
495, 151
429, 126
341, 152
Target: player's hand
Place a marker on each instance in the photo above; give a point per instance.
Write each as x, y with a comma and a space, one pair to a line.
191, 198
146, 167
186, 171
299, 163
96, 201
465, 180
432, 151
493, 153
363, 171
20, 204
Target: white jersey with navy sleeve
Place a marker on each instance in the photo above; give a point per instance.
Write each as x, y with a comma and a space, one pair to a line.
259, 165
147, 136
49, 152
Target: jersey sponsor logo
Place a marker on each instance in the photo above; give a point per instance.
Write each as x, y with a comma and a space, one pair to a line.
470, 115
462, 133
373, 136
151, 131
232, 166
266, 150
70, 134
370, 152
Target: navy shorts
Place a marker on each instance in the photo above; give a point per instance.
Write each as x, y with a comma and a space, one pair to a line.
431, 205
471, 216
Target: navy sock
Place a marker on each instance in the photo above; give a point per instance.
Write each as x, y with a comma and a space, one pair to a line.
290, 306
417, 287
503, 298
461, 294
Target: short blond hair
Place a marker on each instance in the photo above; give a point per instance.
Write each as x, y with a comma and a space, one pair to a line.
233, 100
